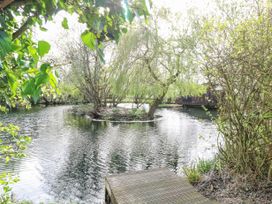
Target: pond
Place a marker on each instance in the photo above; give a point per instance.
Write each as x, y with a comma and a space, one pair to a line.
70, 156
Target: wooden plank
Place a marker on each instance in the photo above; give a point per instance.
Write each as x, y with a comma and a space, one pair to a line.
157, 186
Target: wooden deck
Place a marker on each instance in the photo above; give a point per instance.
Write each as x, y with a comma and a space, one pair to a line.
157, 186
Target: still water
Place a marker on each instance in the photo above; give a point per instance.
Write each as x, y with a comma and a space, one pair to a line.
70, 156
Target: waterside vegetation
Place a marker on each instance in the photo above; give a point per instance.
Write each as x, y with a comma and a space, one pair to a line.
121, 53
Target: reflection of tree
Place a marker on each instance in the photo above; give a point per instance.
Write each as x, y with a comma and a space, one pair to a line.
199, 113
172, 158
84, 123
82, 175
149, 148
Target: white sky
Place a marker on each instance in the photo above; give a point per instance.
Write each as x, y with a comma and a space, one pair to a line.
175, 6
182, 6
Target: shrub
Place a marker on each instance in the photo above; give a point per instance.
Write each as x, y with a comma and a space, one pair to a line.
238, 63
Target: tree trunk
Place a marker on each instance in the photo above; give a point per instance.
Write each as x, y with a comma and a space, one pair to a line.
97, 103
153, 107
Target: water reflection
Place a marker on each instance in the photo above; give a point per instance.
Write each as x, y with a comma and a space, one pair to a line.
70, 156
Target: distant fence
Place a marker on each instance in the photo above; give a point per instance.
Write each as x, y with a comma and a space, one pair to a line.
208, 100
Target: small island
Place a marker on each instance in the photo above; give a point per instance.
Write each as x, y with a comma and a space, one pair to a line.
113, 114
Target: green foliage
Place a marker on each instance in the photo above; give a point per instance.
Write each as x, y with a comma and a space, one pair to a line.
6, 179
237, 60
115, 111
204, 166
19, 54
22, 77
165, 67
43, 48
64, 23
69, 93
88, 39
12, 145
5, 44
137, 113
195, 172
192, 174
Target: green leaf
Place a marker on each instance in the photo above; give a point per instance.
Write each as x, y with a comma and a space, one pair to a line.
12, 81
5, 44
65, 23
44, 67
36, 95
43, 29
88, 38
43, 48
28, 87
100, 54
41, 79
52, 80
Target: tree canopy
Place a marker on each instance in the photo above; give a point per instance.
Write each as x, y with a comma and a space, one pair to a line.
19, 54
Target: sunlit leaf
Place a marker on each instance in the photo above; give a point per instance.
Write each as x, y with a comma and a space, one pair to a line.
65, 23
88, 38
13, 82
43, 48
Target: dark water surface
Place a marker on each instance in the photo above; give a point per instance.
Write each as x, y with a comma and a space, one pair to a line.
69, 157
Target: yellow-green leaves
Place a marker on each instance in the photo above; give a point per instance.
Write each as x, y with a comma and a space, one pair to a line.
43, 48
33, 87
12, 81
89, 39
65, 23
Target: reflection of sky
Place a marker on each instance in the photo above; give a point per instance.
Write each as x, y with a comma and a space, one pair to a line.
69, 157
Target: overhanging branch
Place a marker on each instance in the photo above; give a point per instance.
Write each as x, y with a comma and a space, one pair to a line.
5, 3
22, 29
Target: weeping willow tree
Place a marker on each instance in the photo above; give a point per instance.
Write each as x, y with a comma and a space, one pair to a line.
152, 67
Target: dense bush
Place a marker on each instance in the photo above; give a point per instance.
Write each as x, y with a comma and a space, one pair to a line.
238, 63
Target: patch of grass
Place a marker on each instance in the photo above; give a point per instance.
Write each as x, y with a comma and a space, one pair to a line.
137, 113
192, 174
195, 172
204, 166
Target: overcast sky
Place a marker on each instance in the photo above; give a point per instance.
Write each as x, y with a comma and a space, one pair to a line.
55, 34
176, 6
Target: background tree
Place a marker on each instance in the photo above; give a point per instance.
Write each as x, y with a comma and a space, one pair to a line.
153, 67
90, 75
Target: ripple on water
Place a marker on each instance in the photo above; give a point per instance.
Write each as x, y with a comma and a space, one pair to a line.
70, 156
